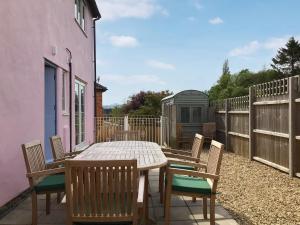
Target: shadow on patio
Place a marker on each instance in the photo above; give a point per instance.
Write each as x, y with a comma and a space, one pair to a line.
183, 212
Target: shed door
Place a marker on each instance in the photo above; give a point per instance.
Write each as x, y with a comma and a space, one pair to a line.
50, 108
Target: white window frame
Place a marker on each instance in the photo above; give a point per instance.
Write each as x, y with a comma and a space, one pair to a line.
80, 140
80, 13
64, 92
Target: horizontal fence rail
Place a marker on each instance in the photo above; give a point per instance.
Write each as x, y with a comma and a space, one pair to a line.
264, 125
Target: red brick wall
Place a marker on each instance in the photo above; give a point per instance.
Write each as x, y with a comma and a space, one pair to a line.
99, 108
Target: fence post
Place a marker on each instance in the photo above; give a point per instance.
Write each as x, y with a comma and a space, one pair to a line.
226, 124
126, 126
291, 125
251, 122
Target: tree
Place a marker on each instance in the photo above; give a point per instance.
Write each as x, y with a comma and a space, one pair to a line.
287, 60
142, 103
238, 84
226, 67
222, 89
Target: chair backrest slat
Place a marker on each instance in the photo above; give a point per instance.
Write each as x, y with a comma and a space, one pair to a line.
102, 190
197, 145
214, 161
34, 158
57, 147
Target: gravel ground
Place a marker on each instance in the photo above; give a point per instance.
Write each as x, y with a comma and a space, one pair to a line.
257, 194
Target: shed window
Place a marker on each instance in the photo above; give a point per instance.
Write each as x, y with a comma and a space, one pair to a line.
196, 114
185, 114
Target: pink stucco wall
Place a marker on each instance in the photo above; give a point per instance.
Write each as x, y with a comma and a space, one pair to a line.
29, 29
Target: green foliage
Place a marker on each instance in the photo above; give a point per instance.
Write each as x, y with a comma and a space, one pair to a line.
285, 63
287, 60
117, 111
142, 103
238, 84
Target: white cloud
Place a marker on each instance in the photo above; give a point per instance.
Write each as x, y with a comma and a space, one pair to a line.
117, 9
273, 43
216, 21
160, 65
245, 50
123, 41
197, 4
133, 79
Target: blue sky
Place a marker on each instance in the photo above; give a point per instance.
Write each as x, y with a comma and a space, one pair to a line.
182, 44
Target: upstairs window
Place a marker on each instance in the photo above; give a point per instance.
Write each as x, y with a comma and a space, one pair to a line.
79, 13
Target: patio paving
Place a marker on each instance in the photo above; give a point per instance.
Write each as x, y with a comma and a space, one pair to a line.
183, 211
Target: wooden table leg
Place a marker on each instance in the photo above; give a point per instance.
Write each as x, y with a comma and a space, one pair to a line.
148, 220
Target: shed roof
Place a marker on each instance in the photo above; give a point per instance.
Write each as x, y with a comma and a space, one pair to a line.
181, 92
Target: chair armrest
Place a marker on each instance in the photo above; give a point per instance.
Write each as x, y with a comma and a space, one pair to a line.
46, 172
192, 173
184, 157
176, 151
73, 153
187, 163
140, 198
55, 164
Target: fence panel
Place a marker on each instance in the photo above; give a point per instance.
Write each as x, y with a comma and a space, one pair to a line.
265, 126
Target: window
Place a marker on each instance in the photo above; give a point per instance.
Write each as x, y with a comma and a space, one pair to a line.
79, 13
79, 112
185, 115
196, 114
64, 91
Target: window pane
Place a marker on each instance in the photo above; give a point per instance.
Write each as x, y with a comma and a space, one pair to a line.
185, 114
82, 18
64, 91
196, 112
82, 93
79, 112
76, 7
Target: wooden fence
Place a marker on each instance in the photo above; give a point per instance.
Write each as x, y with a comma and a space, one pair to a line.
264, 125
132, 128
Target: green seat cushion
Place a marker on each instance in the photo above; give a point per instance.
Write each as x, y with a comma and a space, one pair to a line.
103, 223
182, 167
51, 183
190, 184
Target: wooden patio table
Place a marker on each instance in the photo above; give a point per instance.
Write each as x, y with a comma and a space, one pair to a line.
148, 154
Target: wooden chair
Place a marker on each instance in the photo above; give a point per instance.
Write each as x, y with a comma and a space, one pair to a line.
58, 149
103, 191
43, 178
195, 183
192, 156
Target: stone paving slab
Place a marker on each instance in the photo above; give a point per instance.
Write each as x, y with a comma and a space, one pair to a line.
183, 210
